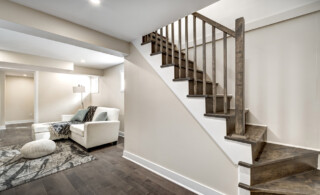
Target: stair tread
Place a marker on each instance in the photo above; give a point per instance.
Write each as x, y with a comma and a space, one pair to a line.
303, 183
230, 113
205, 96
170, 55
190, 79
254, 134
274, 152
170, 65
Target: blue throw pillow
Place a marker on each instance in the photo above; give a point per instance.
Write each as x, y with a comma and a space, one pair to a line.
79, 116
103, 116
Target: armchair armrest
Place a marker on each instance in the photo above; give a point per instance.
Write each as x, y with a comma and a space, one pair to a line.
66, 117
101, 132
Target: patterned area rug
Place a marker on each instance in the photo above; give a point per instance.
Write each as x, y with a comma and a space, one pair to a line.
67, 155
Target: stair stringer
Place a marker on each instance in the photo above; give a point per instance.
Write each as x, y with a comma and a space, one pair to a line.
216, 128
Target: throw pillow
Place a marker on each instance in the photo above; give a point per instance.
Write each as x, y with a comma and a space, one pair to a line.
79, 116
103, 116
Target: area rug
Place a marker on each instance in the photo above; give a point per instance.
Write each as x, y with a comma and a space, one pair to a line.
15, 171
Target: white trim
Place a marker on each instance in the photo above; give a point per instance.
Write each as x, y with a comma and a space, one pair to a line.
268, 20
174, 177
121, 133
2, 127
19, 122
244, 175
242, 191
295, 146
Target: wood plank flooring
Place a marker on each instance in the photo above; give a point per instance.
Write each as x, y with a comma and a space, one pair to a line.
110, 174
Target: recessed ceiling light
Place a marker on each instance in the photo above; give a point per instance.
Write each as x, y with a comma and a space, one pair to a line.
83, 61
95, 2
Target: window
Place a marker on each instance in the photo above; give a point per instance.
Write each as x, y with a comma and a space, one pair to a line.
94, 85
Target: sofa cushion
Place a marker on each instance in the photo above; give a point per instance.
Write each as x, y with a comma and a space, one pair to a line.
39, 148
113, 113
77, 129
79, 116
103, 116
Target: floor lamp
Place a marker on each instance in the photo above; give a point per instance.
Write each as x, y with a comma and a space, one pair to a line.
79, 89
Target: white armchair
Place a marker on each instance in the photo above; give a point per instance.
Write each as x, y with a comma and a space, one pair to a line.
91, 134
96, 133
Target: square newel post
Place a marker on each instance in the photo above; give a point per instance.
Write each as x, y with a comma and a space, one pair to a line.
240, 79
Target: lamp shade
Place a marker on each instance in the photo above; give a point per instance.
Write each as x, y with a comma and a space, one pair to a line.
79, 89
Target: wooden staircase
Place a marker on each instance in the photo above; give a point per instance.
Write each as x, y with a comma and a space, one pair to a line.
276, 169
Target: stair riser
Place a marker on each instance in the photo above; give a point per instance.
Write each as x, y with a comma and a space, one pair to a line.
199, 88
183, 73
282, 169
220, 104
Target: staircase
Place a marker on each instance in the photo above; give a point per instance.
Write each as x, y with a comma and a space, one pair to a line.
264, 168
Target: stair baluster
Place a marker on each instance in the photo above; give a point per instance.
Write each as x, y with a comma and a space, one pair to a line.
167, 45
195, 54
225, 74
187, 48
180, 53
172, 43
204, 58
161, 40
156, 41
214, 87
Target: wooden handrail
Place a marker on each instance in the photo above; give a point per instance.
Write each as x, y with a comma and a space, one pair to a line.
215, 24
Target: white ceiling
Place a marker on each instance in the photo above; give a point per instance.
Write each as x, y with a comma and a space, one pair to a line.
124, 19
23, 43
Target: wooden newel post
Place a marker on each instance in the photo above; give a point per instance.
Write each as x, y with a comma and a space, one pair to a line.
240, 78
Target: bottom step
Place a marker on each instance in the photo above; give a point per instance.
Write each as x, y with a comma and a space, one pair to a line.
303, 183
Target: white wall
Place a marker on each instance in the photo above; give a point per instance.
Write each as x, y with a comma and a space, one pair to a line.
109, 91
256, 13
160, 129
19, 96
56, 96
282, 78
2, 100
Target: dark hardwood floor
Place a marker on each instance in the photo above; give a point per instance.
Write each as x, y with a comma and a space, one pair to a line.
109, 174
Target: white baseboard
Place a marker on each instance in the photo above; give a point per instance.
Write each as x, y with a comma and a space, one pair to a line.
2, 127
19, 122
121, 133
174, 177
